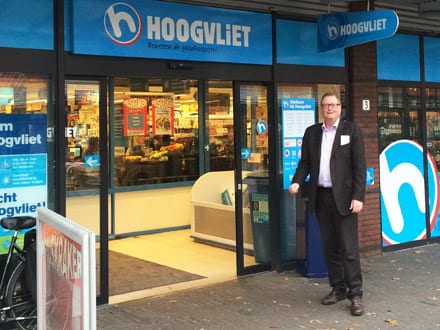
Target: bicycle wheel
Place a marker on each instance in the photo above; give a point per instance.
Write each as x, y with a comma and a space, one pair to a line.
23, 307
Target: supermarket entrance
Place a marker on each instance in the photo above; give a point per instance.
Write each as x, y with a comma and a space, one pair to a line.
165, 136
216, 126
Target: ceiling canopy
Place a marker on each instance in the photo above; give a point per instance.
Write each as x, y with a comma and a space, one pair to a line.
426, 8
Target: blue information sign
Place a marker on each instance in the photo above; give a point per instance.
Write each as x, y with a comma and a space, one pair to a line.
298, 114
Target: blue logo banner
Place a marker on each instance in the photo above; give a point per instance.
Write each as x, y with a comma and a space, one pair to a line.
157, 29
349, 29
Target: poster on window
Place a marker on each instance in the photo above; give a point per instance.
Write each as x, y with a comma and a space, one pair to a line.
297, 115
163, 115
23, 167
135, 116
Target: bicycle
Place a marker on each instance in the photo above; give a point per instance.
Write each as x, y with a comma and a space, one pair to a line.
18, 277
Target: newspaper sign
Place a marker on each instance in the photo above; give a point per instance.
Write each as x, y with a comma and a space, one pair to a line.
66, 286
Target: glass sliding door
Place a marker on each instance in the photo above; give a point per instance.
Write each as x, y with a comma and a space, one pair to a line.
86, 165
251, 178
83, 159
220, 126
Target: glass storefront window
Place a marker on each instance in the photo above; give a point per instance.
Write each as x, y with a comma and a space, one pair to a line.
397, 114
155, 130
20, 93
26, 147
303, 229
432, 112
312, 91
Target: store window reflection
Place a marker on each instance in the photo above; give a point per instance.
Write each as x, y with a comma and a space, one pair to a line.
155, 131
220, 125
20, 93
397, 114
432, 110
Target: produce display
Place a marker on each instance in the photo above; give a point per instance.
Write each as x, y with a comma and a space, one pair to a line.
157, 155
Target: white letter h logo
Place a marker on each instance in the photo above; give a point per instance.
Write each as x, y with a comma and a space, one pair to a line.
404, 173
115, 20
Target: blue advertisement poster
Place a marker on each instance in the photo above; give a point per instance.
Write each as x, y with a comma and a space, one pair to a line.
297, 115
23, 170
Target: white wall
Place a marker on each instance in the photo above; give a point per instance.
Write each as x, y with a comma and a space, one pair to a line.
135, 211
152, 209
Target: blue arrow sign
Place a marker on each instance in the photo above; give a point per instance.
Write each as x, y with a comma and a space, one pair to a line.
245, 153
349, 29
91, 161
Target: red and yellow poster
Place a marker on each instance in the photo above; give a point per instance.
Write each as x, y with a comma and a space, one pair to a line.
135, 116
163, 115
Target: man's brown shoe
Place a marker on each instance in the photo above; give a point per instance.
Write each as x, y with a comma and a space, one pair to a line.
333, 297
357, 308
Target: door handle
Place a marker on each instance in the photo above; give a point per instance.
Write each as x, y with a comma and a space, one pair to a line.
206, 147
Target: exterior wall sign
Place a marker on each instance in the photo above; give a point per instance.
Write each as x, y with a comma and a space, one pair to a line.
298, 114
27, 24
402, 191
349, 29
156, 29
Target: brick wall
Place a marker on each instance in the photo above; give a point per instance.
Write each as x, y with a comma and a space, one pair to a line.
362, 85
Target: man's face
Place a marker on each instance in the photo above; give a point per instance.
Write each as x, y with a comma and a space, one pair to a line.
330, 109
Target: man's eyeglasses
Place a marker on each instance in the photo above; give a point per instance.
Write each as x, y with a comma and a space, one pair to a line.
330, 105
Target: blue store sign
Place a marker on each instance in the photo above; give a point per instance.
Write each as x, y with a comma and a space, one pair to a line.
349, 29
158, 29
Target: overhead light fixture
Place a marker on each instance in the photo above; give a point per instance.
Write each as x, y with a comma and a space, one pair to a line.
429, 9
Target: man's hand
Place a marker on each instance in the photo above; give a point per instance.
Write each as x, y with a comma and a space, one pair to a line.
293, 188
356, 206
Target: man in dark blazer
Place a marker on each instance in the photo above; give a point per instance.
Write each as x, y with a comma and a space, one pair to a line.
333, 156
